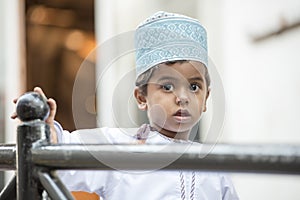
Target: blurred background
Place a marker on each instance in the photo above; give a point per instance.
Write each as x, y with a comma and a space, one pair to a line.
254, 45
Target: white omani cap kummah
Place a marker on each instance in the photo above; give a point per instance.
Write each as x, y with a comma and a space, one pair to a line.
169, 37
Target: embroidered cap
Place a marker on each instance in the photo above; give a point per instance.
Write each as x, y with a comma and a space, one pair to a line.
169, 37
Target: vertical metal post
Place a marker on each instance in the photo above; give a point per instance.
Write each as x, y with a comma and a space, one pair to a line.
29, 135
32, 109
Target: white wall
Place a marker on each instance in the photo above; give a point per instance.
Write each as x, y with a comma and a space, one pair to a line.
261, 78
12, 62
12, 59
261, 82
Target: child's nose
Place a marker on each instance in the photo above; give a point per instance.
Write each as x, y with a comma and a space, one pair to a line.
182, 98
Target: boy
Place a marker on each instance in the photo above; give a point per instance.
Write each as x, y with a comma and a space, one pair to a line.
172, 86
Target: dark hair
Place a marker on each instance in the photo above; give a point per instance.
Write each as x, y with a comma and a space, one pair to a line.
143, 79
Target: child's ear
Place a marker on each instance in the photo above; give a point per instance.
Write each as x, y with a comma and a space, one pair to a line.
141, 99
207, 95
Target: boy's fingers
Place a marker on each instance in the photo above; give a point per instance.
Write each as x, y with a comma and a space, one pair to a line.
40, 91
52, 105
50, 120
14, 115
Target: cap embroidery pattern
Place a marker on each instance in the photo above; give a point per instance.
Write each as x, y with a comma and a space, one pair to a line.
169, 37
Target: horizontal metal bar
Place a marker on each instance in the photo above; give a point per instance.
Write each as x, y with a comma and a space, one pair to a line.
222, 157
7, 156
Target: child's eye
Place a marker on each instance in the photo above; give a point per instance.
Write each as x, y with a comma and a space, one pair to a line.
194, 87
167, 87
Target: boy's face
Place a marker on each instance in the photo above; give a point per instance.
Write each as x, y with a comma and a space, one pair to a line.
176, 97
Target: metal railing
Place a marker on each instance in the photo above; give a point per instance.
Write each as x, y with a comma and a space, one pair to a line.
35, 160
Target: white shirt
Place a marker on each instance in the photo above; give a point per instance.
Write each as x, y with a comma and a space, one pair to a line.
146, 185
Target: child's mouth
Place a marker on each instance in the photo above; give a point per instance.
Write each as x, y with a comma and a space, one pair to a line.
182, 116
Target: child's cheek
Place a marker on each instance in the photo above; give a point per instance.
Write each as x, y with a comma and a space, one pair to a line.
157, 115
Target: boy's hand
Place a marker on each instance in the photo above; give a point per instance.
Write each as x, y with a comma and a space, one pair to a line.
50, 120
